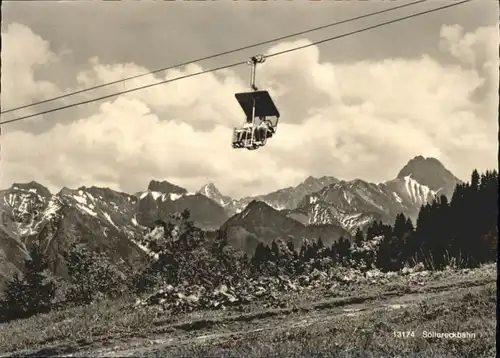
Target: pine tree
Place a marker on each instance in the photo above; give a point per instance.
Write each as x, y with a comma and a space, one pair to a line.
486, 217
275, 251
321, 249
383, 261
259, 255
359, 237
221, 241
400, 226
475, 180
409, 226
304, 248
13, 303
341, 248
41, 290
290, 244
30, 293
320, 245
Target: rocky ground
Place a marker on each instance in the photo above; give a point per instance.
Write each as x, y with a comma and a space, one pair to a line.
334, 313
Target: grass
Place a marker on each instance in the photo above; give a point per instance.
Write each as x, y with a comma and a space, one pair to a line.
370, 334
117, 323
75, 327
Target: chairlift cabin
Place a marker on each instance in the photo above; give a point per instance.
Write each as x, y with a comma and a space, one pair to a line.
262, 116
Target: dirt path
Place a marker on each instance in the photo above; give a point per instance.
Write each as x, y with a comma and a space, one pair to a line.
225, 328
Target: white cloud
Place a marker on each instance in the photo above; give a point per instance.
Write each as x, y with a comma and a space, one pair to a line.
205, 95
475, 48
363, 119
23, 53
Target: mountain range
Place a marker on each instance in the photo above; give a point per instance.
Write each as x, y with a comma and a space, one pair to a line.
108, 221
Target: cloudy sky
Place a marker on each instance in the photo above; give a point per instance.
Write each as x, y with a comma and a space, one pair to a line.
357, 107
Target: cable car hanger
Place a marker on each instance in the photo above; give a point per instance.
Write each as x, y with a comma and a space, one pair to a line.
258, 106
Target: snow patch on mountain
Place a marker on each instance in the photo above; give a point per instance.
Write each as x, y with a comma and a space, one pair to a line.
134, 221
174, 197
352, 221
146, 249
276, 206
108, 217
398, 198
155, 194
417, 192
80, 198
86, 210
210, 191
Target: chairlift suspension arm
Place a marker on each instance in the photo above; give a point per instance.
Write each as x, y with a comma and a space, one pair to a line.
252, 77
253, 61
253, 119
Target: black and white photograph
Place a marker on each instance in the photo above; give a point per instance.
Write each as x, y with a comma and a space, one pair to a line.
237, 178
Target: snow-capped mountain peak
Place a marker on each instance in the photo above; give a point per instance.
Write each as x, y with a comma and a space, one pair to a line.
210, 191
431, 173
356, 203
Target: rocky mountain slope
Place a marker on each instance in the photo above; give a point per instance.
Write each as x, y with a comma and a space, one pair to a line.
101, 219
163, 199
110, 221
431, 173
356, 203
283, 199
259, 222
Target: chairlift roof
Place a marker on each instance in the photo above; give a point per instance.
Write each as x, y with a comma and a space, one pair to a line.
264, 105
